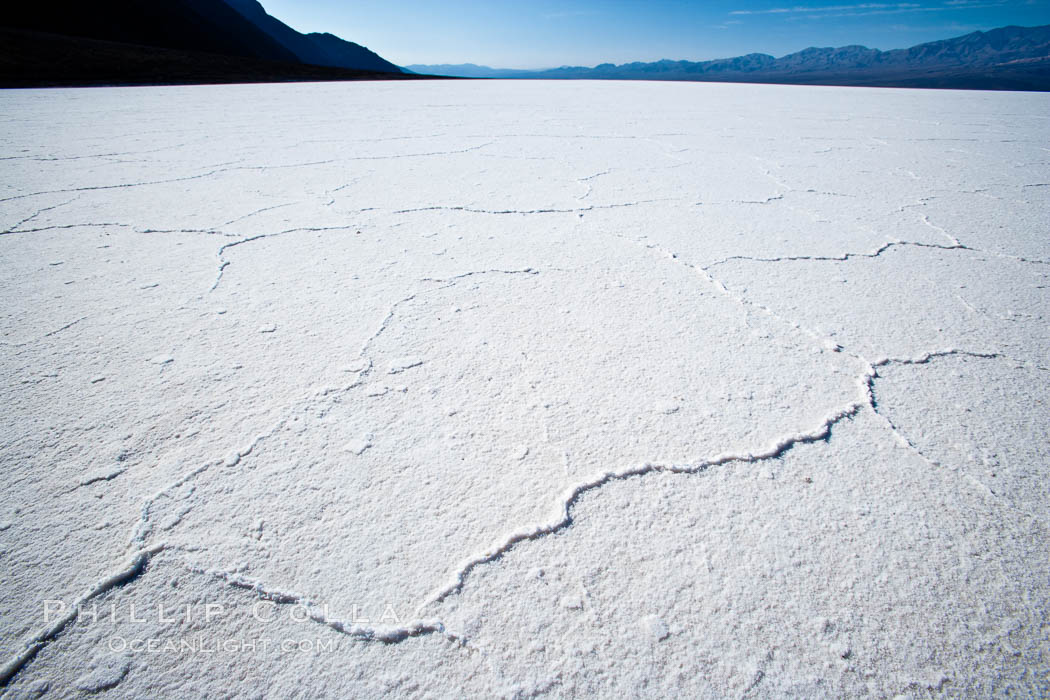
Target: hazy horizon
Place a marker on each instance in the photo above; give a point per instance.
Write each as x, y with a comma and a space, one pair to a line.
549, 34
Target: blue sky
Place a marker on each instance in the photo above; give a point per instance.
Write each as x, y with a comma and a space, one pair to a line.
549, 33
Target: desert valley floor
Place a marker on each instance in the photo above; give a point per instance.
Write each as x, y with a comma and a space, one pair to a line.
517, 389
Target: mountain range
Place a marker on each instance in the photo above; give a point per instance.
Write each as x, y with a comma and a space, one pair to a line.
107, 42
78, 42
1011, 58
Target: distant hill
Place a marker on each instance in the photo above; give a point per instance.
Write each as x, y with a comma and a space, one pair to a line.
88, 42
1009, 58
469, 70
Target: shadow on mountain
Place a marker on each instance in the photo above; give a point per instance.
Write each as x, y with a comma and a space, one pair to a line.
316, 49
35, 59
134, 42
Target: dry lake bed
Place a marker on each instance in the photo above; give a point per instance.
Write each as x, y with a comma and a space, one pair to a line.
518, 389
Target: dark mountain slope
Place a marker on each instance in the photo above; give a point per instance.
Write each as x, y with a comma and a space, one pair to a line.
133, 42
209, 26
317, 49
35, 59
330, 50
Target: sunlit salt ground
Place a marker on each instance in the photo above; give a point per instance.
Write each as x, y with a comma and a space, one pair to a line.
520, 388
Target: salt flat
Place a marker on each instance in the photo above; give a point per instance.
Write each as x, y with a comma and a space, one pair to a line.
521, 388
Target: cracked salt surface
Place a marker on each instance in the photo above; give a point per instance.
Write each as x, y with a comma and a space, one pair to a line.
711, 396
